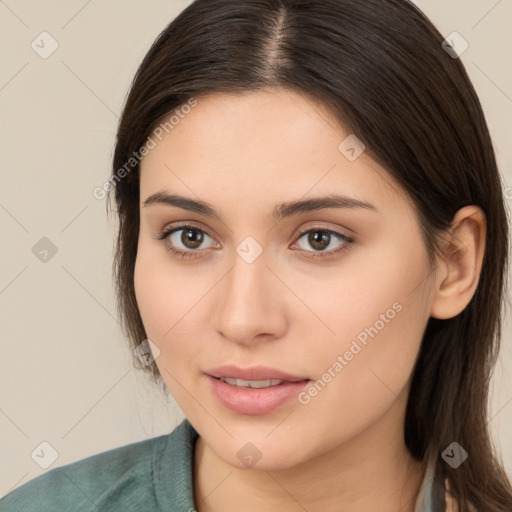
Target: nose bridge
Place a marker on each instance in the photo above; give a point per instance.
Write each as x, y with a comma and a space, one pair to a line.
247, 284
248, 305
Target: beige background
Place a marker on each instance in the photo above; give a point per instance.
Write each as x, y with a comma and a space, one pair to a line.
66, 375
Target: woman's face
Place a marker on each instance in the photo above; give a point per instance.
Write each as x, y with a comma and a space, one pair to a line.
275, 286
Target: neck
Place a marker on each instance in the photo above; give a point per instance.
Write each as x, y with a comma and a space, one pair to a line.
373, 471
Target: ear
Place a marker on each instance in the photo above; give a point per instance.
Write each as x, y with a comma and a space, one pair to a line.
460, 263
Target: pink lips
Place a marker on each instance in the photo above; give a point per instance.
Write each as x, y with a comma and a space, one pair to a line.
253, 373
254, 401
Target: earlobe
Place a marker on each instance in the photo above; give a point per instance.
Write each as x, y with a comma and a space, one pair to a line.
460, 263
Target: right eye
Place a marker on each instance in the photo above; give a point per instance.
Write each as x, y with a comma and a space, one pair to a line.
184, 241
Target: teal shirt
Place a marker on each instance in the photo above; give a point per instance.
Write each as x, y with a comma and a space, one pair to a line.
154, 475
148, 476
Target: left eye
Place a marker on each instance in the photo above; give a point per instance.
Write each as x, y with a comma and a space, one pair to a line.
321, 239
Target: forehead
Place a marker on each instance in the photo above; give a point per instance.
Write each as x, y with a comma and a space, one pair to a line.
280, 121
272, 144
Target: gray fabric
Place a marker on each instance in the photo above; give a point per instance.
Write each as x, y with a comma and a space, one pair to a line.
431, 497
150, 475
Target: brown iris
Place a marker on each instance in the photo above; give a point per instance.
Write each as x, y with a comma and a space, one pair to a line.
192, 238
319, 242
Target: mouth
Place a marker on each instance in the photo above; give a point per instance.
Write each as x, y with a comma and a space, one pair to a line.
256, 384
253, 374
255, 390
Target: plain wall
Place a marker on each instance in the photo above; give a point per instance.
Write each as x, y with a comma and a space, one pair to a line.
66, 375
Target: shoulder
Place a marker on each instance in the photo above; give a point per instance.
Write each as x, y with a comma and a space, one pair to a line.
117, 476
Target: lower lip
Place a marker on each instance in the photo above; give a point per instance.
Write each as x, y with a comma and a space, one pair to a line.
253, 401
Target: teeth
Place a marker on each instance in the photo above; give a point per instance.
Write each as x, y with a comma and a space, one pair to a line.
251, 383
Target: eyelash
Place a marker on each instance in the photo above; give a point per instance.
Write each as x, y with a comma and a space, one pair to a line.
315, 254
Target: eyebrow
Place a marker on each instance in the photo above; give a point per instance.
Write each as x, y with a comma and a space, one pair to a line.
279, 212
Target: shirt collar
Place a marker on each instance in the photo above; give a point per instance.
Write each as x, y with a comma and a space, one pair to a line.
173, 469
431, 497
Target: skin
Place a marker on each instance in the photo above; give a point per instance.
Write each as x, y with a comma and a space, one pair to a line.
344, 449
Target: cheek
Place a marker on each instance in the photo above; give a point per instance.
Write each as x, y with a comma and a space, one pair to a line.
369, 378
365, 290
379, 312
152, 294
167, 296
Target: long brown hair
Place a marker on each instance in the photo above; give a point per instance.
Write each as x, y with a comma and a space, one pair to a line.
380, 67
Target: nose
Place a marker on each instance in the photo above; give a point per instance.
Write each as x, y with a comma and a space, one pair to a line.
250, 303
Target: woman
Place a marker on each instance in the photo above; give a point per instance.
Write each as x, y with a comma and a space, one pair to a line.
311, 254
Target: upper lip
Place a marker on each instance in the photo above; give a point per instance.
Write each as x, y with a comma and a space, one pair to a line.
253, 373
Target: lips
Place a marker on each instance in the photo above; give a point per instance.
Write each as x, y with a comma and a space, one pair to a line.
253, 373
253, 391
